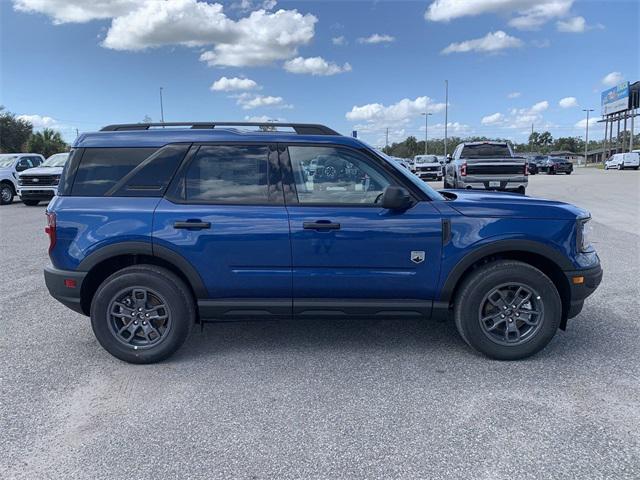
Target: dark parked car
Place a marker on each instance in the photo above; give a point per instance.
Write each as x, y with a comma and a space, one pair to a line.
558, 165
536, 164
155, 229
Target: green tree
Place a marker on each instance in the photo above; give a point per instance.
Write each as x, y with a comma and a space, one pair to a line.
14, 132
47, 142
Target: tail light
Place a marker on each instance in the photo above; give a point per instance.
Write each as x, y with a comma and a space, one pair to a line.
50, 229
526, 169
463, 169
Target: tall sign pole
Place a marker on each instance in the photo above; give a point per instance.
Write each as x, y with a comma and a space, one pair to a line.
426, 130
586, 135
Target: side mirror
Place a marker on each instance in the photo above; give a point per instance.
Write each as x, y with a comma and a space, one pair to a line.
396, 198
449, 157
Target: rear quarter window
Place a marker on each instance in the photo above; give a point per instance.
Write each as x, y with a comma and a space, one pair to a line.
122, 172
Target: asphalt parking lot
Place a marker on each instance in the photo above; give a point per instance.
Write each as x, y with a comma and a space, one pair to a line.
330, 399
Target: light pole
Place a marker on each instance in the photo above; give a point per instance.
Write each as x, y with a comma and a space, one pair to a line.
426, 129
161, 107
586, 136
446, 113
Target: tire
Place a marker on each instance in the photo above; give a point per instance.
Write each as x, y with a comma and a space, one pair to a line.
31, 203
446, 184
568, 173
6, 193
133, 345
471, 302
520, 190
620, 167
636, 168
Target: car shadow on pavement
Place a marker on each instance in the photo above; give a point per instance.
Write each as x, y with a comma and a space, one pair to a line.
348, 335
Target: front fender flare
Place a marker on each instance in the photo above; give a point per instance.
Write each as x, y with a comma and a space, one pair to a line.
500, 246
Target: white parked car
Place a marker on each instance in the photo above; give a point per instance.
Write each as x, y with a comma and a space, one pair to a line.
11, 164
623, 160
41, 183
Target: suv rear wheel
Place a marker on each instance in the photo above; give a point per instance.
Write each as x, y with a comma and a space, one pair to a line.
507, 310
142, 314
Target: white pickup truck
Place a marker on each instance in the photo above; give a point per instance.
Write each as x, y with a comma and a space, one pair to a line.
41, 183
11, 164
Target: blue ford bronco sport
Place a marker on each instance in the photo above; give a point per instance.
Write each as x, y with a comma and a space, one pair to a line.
159, 226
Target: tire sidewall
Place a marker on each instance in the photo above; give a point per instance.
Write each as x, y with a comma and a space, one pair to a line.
167, 285
473, 292
4, 186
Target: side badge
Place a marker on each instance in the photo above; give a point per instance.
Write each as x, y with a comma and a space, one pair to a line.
417, 256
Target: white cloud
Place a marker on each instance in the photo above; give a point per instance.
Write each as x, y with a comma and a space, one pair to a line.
568, 102
492, 119
76, 11
263, 119
225, 84
491, 42
612, 79
376, 38
315, 66
248, 101
572, 25
528, 13
377, 115
514, 95
340, 41
541, 42
39, 121
582, 124
539, 107
258, 39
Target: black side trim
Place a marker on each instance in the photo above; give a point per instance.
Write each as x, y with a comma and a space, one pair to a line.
144, 248
337, 307
500, 246
244, 308
69, 297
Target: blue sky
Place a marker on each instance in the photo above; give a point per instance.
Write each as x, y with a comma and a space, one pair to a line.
350, 64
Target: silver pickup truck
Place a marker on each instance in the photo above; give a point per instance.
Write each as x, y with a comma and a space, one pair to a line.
486, 165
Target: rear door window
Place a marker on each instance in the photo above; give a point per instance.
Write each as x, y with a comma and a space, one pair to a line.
233, 174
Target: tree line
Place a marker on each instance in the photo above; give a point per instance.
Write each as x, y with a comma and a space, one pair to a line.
539, 142
17, 135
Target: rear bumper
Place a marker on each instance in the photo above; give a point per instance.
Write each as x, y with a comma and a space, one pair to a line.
506, 183
430, 175
68, 295
580, 291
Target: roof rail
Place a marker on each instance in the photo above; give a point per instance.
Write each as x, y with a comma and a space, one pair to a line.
299, 128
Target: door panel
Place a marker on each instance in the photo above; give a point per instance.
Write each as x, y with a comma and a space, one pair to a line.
225, 214
349, 255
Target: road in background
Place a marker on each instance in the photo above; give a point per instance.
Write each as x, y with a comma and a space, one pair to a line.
330, 398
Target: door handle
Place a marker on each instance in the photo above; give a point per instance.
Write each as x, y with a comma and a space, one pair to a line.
321, 225
192, 225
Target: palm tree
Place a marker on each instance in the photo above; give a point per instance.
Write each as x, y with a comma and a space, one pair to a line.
47, 142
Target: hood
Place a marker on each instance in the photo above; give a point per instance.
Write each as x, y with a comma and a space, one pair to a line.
42, 171
480, 203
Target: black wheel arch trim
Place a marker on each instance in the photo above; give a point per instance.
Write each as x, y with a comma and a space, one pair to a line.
147, 248
500, 246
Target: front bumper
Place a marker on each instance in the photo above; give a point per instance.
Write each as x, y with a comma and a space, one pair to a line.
41, 193
430, 175
591, 279
65, 286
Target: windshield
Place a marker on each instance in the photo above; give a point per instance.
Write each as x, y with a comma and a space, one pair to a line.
57, 160
486, 150
433, 194
426, 159
7, 160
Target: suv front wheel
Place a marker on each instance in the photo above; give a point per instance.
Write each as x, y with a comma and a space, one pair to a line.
6, 193
142, 314
507, 310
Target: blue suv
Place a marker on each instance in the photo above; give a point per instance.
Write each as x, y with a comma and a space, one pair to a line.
159, 226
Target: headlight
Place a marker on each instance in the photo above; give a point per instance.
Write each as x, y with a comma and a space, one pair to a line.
584, 234
19, 180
